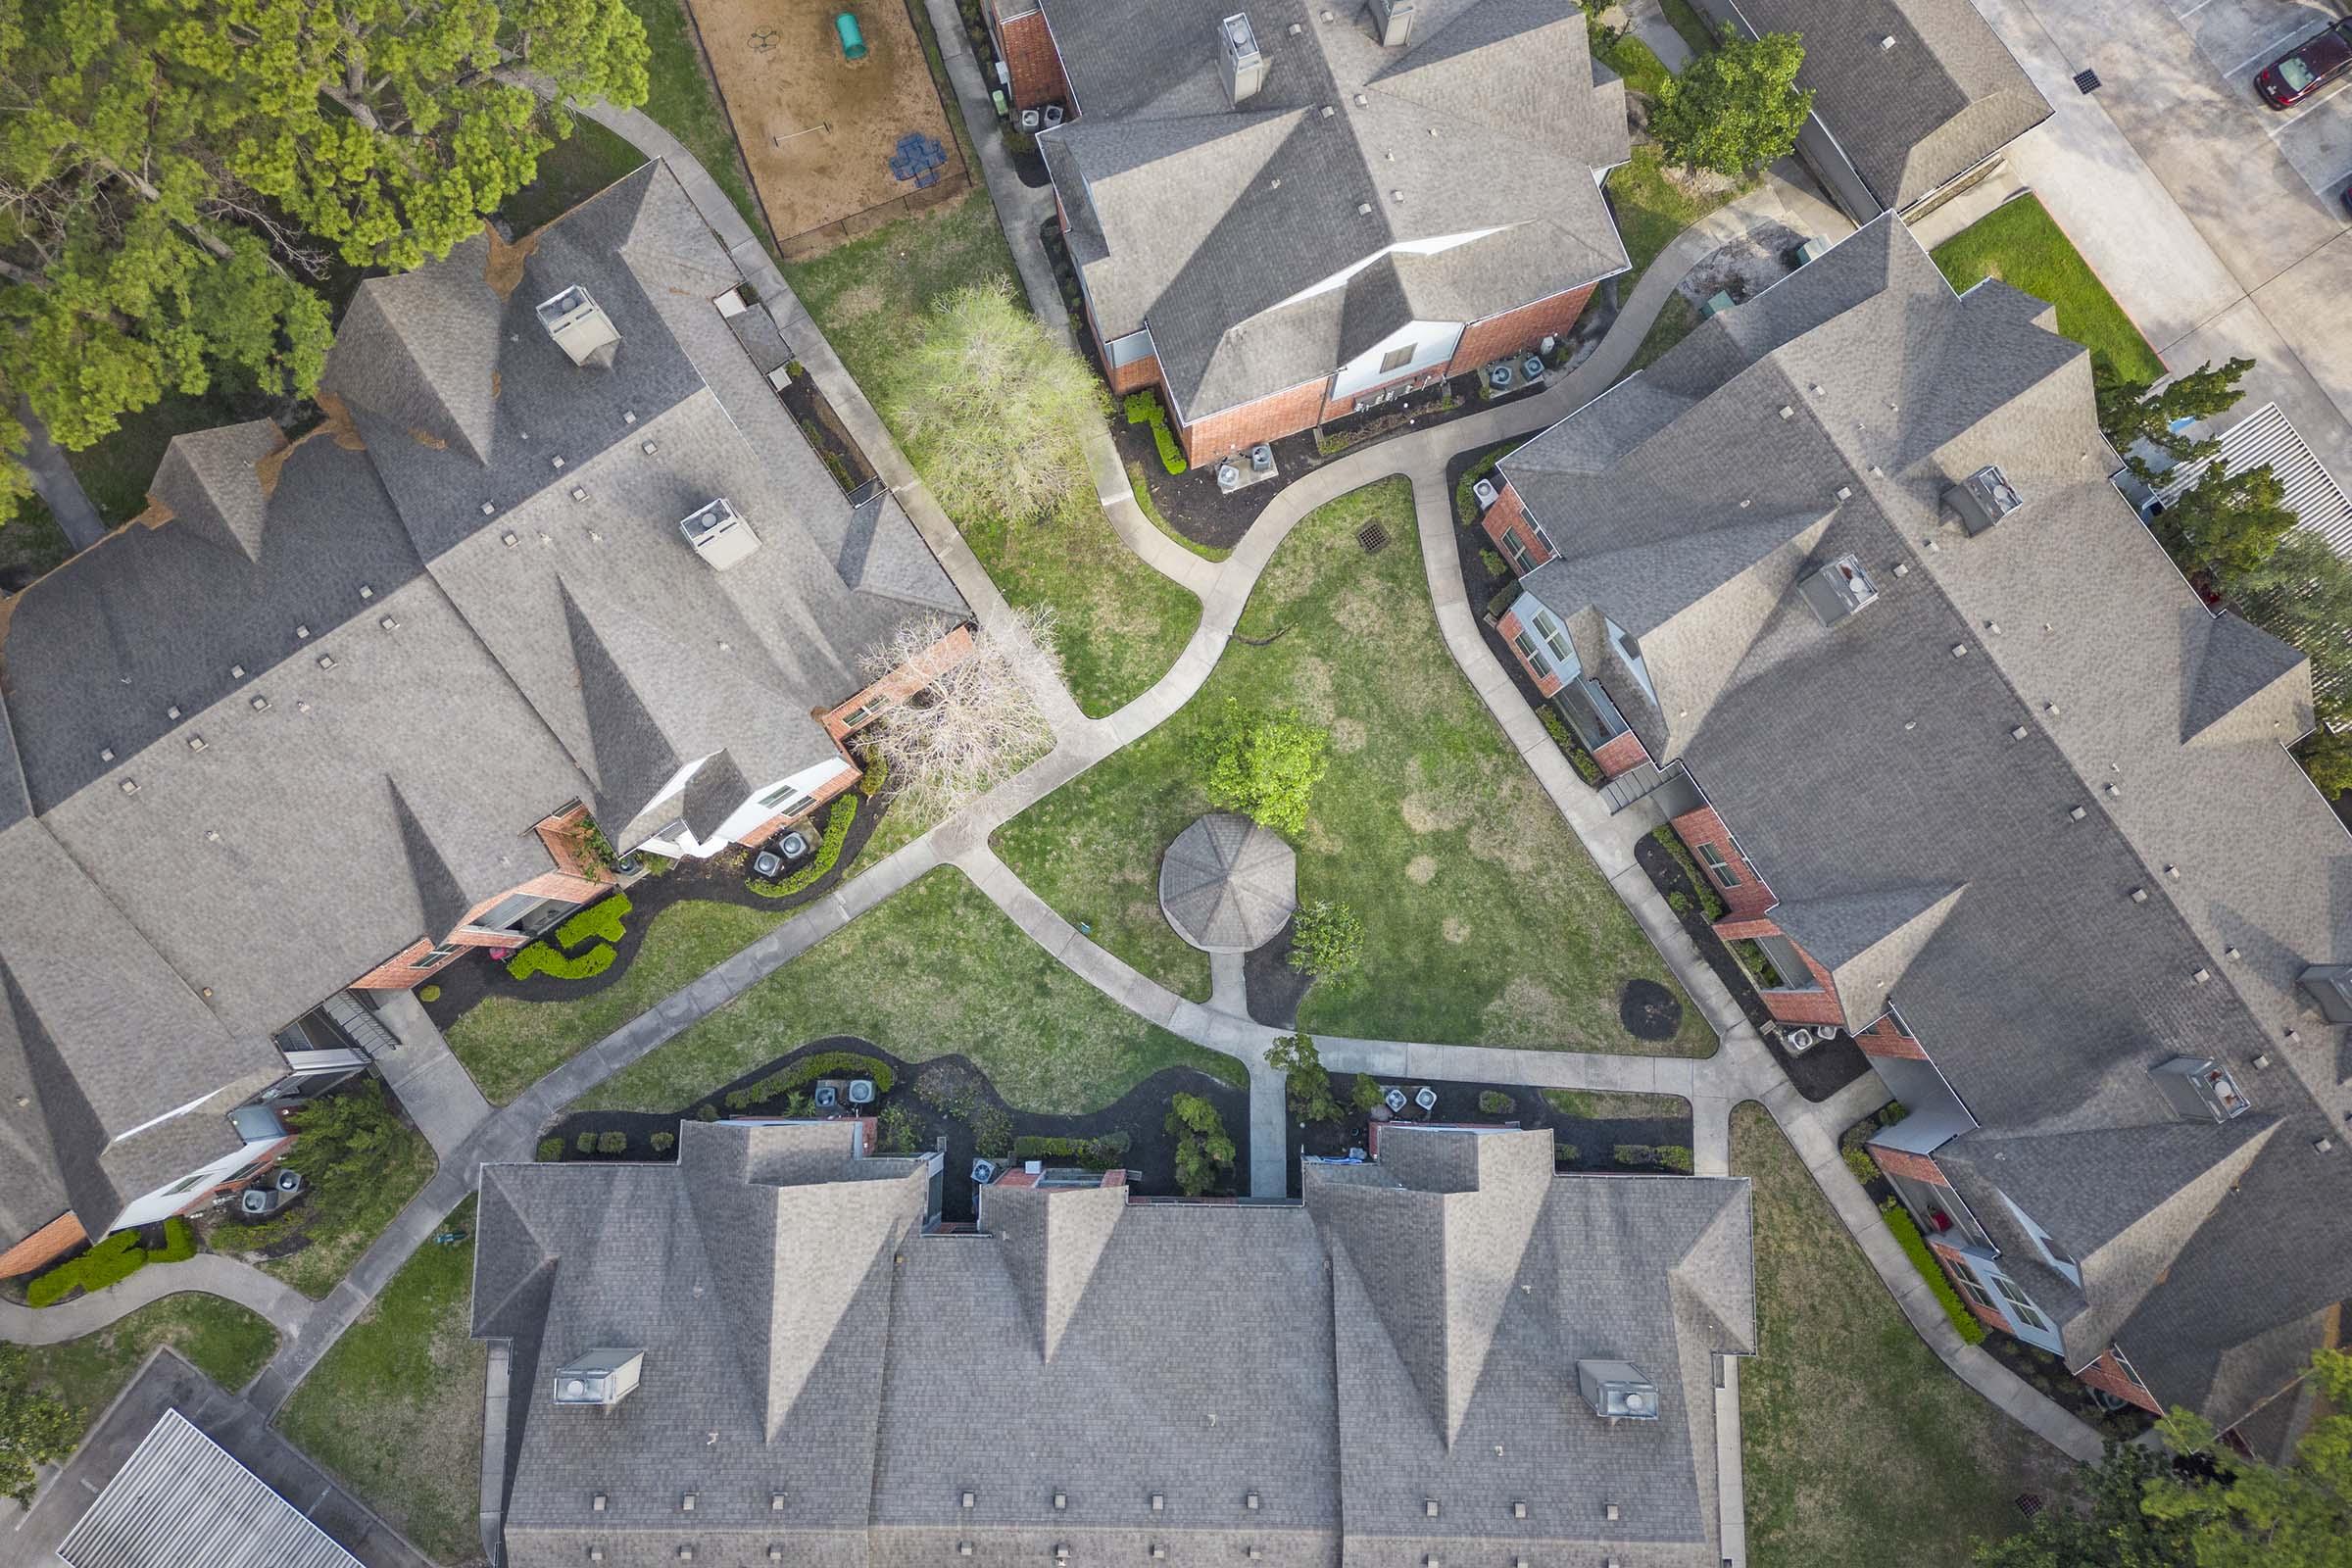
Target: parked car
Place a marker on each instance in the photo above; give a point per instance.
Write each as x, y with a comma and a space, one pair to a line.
266, 1197
2306, 67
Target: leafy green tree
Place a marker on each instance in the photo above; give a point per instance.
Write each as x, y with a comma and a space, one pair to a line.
2227, 524
1309, 1084
2328, 757
346, 1137
171, 169
2297, 1515
2112, 1532
1203, 1154
1366, 1093
2303, 595
1735, 107
2132, 416
1264, 765
994, 411
36, 1428
1327, 940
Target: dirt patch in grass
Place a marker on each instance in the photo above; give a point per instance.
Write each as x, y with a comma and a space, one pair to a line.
395, 1409
1862, 1448
223, 1340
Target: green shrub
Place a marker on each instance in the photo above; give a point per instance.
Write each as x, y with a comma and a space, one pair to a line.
1171, 454
1493, 561
602, 919
1327, 940
1367, 1093
828, 850
1636, 1155
540, 959
1202, 1149
1585, 768
1858, 1160
824, 1064
653, 864
429, 994
1564, 1153
1262, 764
705, 1112
1107, 1152
585, 1143
876, 776
1142, 407
1465, 501
1555, 726
179, 1243
1750, 953
550, 1150
894, 1131
1675, 1157
1915, 1246
992, 1133
613, 1143
113, 1259
663, 1143
1678, 902
1494, 1102
1708, 898
1501, 600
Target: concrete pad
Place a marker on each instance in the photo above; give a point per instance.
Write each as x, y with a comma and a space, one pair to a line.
2281, 375
2315, 291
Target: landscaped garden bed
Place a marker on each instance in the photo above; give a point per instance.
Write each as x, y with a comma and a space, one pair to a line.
1624, 1134
919, 1104
843, 458
1426, 825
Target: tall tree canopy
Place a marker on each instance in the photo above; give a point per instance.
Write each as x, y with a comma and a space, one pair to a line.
175, 175
1735, 107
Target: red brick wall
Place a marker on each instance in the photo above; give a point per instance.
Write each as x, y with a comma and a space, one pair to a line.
1514, 330
202, 1196
832, 789
1035, 64
402, 970
1622, 754
903, 681
1508, 516
1703, 827
1427, 377
1267, 419
1797, 1006
1951, 1261
1884, 1039
1133, 378
1546, 683
51, 1242
2106, 1374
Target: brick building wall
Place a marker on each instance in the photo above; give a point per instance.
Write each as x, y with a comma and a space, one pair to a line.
1548, 682
1509, 517
834, 788
1028, 45
43, 1246
1791, 1005
900, 684
1514, 330
1622, 754
1703, 827
202, 1196
1414, 381
2107, 1375
1267, 419
1886, 1037
407, 967
1917, 1167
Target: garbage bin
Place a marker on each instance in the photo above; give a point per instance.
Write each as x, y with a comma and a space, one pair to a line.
852, 40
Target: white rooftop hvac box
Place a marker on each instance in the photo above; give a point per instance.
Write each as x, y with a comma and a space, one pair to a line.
719, 535
601, 1377
1617, 1390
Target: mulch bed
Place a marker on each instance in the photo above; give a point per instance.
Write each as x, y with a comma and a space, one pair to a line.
1595, 1139
842, 456
1141, 1114
2047, 1372
1027, 161
1273, 988
1819, 1072
719, 879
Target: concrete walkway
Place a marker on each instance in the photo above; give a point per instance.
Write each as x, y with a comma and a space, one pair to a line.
212, 1273
431, 1084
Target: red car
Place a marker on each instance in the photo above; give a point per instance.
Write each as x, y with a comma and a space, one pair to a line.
2306, 67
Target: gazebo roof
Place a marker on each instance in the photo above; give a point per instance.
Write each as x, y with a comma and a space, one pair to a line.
1227, 885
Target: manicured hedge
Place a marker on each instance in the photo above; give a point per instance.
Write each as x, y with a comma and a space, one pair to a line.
602, 919
828, 850
179, 1243
1142, 407
807, 1070
1915, 1247
1107, 1152
540, 959
112, 1260
1674, 1157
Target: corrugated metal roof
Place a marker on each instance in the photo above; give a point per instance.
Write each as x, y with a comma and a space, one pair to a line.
182, 1501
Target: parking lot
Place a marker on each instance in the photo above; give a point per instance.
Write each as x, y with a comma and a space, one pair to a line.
2237, 38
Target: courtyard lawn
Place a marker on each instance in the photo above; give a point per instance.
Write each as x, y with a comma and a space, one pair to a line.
932, 972
2022, 245
341, 1220
682, 99
395, 1409
1862, 1448
222, 1340
1484, 920
1121, 625
507, 1043
1653, 205
1675, 322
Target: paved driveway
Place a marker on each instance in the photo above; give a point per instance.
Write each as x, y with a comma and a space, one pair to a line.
2237, 38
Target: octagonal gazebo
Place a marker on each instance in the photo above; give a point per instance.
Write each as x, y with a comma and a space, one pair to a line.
1227, 885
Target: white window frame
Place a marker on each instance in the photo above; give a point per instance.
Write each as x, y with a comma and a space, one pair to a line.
1718, 865
1523, 559
2021, 1305
1529, 652
774, 800
1555, 638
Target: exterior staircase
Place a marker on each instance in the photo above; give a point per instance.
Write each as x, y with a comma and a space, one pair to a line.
1629, 786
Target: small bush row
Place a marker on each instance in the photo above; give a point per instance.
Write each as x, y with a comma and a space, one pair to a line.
540, 959
1673, 1157
114, 1260
1107, 1153
1915, 1247
604, 1143
876, 776
604, 919
1578, 758
807, 1070
828, 850
1708, 898
1142, 407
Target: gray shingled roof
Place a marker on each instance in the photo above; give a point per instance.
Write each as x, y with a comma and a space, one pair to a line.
1944, 97
1109, 1351
1227, 884
1873, 765
1206, 222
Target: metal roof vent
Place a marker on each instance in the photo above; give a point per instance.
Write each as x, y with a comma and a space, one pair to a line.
1618, 1391
2200, 1088
1837, 590
719, 535
1245, 66
601, 1377
1982, 500
1393, 22
580, 327
2329, 988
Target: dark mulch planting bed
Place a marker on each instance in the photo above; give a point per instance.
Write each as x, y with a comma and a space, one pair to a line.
2048, 1373
1141, 1114
1817, 1074
1480, 583
1027, 163
1595, 1139
1648, 1011
720, 879
1273, 988
840, 455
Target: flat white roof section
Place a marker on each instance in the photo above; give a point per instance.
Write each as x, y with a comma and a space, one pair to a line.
180, 1501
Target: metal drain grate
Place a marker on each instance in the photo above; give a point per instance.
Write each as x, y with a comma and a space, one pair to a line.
2086, 81
1373, 537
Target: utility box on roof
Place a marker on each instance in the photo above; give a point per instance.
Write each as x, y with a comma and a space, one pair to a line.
1245, 65
719, 535
1618, 1391
580, 327
603, 1377
1982, 500
2200, 1088
1837, 590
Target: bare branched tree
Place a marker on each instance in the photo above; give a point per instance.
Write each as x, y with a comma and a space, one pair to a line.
974, 723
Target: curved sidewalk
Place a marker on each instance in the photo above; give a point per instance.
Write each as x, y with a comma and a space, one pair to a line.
209, 1273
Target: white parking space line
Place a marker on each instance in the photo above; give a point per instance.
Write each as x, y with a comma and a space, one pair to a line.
2325, 96
2270, 52
2193, 10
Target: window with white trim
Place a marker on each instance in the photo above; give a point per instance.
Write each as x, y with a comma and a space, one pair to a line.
1523, 559
1970, 1283
1529, 652
433, 956
1717, 866
1556, 636
787, 801
2022, 1305
865, 713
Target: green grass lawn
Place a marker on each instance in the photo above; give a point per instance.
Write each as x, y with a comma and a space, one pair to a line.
1862, 1448
2022, 245
342, 1220
221, 1338
934, 970
1653, 205
395, 1409
507, 1043
1638, 63
683, 100
1121, 625
31, 538
570, 173
1484, 920
1674, 323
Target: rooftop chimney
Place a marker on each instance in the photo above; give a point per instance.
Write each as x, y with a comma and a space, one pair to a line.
1393, 20
603, 1377
719, 535
2199, 1088
1982, 500
1617, 1391
1837, 590
1237, 52
580, 327
2329, 988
